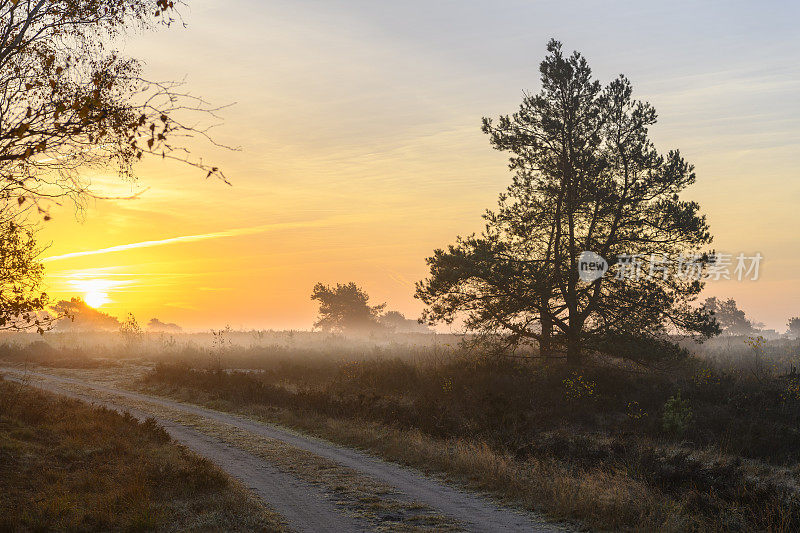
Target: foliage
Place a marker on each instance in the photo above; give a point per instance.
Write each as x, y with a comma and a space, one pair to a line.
648, 350
397, 322
77, 315
756, 345
156, 325
131, 331
794, 326
71, 102
220, 345
586, 177
21, 299
577, 387
345, 307
731, 319
677, 415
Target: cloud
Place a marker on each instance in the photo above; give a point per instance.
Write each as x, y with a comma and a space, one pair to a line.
189, 238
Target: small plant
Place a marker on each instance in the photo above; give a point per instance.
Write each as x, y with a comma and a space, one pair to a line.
577, 387
131, 331
168, 342
635, 411
447, 385
703, 377
220, 345
350, 370
791, 392
677, 415
757, 344
258, 336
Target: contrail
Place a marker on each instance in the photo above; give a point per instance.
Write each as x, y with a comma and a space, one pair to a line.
188, 238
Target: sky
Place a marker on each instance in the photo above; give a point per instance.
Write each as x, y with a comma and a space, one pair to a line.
359, 150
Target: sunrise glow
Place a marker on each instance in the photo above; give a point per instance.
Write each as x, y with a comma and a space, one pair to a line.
95, 292
361, 169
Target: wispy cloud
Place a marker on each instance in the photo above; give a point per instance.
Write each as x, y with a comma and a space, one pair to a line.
189, 238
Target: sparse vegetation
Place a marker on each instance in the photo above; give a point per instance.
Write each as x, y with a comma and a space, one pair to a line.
574, 388
67, 466
130, 331
704, 444
702, 448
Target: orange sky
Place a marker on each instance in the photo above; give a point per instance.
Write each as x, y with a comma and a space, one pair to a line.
361, 150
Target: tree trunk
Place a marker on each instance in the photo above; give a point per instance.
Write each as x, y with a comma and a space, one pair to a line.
545, 346
573, 349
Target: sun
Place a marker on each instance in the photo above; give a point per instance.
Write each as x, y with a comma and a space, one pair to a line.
95, 291
96, 298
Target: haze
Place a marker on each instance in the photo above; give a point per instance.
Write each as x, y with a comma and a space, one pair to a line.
361, 150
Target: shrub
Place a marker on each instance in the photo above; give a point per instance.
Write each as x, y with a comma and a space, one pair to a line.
677, 415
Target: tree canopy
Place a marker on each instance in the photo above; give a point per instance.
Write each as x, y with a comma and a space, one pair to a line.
397, 322
71, 102
586, 178
731, 319
165, 327
20, 276
794, 326
77, 315
345, 308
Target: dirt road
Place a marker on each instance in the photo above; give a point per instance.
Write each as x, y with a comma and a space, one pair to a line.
313, 484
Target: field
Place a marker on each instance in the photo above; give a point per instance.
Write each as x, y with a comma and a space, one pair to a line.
705, 444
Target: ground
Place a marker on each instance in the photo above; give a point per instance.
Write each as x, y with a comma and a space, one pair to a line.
313, 484
65, 465
706, 443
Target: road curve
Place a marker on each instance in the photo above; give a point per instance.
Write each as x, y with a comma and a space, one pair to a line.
302, 505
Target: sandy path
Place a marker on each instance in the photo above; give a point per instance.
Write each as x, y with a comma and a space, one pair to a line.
293, 498
303, 506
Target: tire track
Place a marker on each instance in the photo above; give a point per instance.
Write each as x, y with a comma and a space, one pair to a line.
475, 512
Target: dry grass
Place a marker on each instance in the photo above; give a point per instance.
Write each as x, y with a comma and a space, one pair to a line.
67, 466
639, 479
592, 446
598, 499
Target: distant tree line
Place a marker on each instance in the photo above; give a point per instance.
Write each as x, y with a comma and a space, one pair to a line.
345, 308
77, 315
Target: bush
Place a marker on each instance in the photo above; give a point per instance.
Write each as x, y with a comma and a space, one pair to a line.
677, 415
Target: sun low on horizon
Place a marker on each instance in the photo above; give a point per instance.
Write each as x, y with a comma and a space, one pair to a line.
359, 151
95, 291
359, 266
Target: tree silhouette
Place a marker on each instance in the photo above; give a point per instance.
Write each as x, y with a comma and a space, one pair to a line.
794, 326
69, 102
586, 178
20, 276
156, 325
731, 319
77, 315
130, 331
397, 322
345, 308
